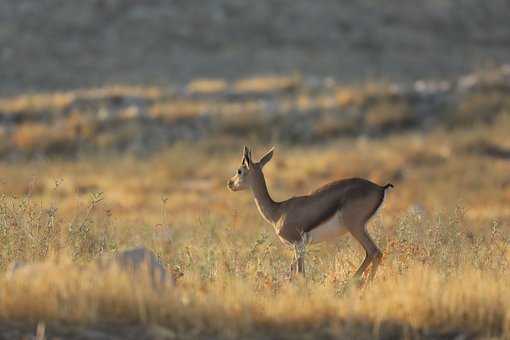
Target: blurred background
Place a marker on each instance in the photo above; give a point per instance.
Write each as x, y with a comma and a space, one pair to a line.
412, 92
123, 75
56, 45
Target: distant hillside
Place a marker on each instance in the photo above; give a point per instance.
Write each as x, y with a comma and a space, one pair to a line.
141, 120
56, 45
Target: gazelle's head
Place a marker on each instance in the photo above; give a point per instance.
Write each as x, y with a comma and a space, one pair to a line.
248, 171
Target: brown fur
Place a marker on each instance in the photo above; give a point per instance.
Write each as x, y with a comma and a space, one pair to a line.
357, 198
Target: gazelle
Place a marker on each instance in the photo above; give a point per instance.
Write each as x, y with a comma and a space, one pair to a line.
328, 212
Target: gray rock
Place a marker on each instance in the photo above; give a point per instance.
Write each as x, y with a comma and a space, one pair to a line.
25, 269
137, 262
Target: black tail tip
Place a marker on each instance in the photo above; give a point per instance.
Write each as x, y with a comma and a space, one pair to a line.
389, 185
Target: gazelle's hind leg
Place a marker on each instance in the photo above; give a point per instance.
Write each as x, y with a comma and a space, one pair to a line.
355, 216
372, 253
376, 261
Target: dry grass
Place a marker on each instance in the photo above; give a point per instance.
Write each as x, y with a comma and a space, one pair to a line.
444, 232
268, 83
37, 102
207, 86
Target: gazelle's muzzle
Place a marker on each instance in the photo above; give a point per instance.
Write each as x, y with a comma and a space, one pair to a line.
230, 185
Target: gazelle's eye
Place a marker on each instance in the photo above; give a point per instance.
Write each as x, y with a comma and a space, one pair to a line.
238, 171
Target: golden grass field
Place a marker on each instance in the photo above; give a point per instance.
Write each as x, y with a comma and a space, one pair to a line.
444, 231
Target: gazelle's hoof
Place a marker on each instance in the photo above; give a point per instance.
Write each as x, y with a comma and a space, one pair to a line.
358, 281
296, 276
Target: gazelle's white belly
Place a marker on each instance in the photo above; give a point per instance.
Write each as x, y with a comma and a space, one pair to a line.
328, 230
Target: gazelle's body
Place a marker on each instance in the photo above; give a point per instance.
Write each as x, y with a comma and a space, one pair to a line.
327, 212
323, 215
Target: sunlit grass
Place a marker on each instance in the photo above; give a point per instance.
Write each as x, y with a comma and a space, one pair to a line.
436, 277
443, 230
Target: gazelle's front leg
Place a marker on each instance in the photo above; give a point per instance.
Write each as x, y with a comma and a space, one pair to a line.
293, 267
299, 253
297, 265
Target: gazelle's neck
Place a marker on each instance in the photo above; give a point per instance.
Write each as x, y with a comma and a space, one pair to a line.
265, 204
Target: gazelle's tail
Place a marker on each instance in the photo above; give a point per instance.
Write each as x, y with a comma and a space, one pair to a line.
383, 197
389, 185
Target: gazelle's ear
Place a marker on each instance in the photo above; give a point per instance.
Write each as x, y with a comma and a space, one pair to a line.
246, 156
267, 157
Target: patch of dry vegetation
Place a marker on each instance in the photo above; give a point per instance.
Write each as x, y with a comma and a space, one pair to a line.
268, 84
444, 232
285, 109
437, 278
